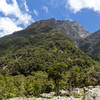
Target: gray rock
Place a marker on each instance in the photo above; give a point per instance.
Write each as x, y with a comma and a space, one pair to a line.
97, 86
93, 94
90, 87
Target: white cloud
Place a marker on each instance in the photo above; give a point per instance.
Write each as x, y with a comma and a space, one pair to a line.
26, 7
45, 8
77, 5
35, 12
7, 26
12, 10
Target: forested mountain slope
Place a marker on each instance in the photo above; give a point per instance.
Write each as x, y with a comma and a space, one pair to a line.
91, 45
37, 47
44, 58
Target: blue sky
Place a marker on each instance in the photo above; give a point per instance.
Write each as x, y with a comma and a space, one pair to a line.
17, 14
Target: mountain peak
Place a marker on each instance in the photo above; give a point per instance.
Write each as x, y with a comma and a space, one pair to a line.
72, 28
43, 24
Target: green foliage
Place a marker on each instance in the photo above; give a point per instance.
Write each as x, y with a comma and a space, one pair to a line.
91, 45
19, 82
79, 77
29, 57
76, 76
56, 73
57, 78
39, 51
20, 85
92, 78
7, 87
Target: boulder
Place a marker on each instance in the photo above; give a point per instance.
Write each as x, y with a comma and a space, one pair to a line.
90, 87
47, 95
93, 94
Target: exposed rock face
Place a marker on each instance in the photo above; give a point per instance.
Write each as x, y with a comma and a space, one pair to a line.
91, 45
72, 28
43, 41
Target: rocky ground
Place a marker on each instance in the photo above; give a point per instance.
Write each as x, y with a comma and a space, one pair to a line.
55, 98
92, 93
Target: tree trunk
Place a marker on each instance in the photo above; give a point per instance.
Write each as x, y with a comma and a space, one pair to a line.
57, 88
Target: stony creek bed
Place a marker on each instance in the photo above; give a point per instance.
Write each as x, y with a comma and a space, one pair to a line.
91, 93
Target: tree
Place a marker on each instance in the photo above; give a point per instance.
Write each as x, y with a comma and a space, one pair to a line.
37, 84
92, 78
56, 73
19, 82
40, 80
76, 77
2, 87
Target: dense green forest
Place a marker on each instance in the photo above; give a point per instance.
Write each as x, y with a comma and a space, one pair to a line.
34, 61
38, 51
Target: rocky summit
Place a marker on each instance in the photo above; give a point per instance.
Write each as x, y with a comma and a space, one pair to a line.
72, 28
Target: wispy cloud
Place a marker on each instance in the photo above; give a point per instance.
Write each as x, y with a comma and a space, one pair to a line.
77, 5
19, 17
45, 8
26, 7
35, 12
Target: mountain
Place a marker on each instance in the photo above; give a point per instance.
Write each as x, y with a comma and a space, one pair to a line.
44, 58
42, 44
72, 28
91, 45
